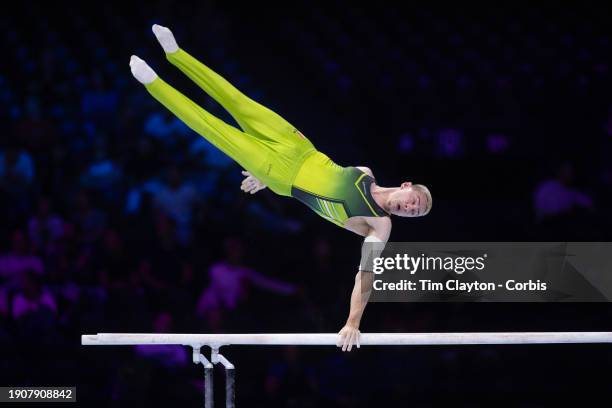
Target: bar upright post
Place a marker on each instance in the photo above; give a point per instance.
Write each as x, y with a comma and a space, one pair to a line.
198, 357
230, 376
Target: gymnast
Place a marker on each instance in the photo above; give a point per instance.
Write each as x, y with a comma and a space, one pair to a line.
276, 155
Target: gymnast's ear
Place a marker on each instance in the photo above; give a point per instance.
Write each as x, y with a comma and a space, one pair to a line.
406, 184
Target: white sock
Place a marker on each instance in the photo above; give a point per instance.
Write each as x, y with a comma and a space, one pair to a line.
165, 38
142, 71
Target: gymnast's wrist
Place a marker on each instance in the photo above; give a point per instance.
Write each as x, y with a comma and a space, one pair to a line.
353, 322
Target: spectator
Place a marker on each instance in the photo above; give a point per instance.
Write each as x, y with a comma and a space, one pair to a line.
138, 196
203, 151
16, 177
35, 312
229, 280
143, 159
103, 173
33, 299
100, 103
45, 227
165, 127
166, 263
166, 355
19, 260
112, 263
35, 132
90, 221
177, 199
557, 196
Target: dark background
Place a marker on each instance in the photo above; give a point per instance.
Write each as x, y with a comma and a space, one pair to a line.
115, 217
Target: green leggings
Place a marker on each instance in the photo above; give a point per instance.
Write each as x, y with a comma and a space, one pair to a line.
269, 147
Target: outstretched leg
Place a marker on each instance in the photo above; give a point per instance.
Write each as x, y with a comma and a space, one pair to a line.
246, 150
253, 117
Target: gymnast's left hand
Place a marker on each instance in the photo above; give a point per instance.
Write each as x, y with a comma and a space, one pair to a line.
347, 337
251, 184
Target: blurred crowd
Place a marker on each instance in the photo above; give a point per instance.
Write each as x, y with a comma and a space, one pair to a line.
118, 218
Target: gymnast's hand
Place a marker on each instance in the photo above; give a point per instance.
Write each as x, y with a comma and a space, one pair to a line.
347, 337
250, 184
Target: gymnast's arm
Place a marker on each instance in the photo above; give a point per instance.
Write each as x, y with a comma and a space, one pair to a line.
376, 236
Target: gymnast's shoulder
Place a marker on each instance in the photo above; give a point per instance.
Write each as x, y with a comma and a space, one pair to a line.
366, 170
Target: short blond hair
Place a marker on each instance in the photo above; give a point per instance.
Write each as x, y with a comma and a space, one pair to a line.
425, 191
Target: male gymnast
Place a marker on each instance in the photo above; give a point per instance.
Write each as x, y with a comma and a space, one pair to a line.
278, 156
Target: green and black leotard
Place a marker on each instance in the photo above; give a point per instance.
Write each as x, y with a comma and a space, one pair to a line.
334, 192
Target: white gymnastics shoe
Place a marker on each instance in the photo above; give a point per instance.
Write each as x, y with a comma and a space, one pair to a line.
142, 71
165, 38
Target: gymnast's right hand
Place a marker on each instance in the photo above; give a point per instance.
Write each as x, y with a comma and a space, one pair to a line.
347, 337
251, 184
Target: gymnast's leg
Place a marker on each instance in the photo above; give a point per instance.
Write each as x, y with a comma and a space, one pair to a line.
254, 118
246, 150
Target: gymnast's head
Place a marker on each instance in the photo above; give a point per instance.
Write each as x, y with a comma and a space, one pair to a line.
409, 200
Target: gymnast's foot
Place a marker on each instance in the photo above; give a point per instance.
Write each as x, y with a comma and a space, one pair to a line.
142, 71
165, 38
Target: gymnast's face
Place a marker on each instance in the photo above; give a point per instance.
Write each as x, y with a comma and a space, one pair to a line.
407, 201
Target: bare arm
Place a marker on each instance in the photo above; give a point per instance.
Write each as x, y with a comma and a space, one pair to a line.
359, 297
349, 334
